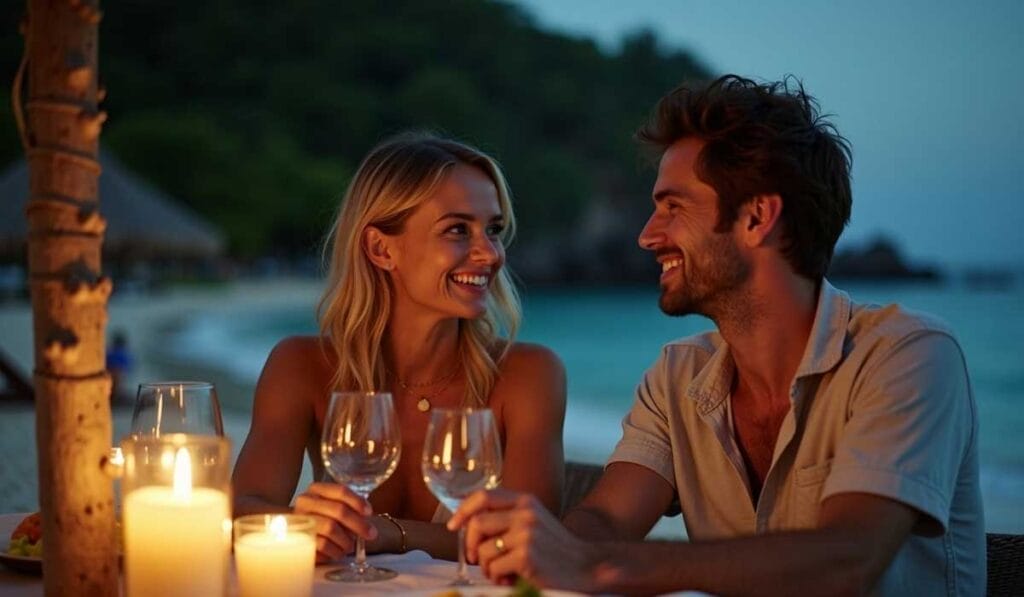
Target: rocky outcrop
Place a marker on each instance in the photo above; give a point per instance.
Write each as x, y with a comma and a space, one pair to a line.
879, 260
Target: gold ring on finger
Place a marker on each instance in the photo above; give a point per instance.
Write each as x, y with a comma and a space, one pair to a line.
499, 544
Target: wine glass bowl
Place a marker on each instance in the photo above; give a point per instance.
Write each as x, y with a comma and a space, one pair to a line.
166, 407
461, 454
360, 448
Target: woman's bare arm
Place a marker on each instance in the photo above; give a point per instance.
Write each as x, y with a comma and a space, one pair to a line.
531, 390
270, 461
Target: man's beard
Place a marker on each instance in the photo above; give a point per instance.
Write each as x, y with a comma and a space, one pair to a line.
716, 270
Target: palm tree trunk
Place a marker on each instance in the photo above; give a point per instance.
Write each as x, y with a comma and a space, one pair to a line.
60, 126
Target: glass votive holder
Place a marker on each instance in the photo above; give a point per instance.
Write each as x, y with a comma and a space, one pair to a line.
275, 554
176, 514
165, 407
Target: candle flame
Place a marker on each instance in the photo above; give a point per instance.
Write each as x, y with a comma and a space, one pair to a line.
278, 527
182, 475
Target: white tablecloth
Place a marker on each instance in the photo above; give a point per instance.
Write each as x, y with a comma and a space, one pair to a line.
418, 575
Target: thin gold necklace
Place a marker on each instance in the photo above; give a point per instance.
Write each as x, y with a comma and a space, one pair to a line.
423, 404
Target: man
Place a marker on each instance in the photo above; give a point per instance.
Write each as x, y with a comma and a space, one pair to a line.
816, 445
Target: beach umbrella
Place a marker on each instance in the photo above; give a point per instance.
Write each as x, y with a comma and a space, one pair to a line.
59, 123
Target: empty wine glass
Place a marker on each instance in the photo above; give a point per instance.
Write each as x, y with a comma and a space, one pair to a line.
461, 454
167, 407
360, 448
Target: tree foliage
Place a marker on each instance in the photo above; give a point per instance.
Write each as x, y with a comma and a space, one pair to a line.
256, 114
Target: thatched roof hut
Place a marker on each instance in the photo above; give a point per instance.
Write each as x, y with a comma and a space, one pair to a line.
142, 221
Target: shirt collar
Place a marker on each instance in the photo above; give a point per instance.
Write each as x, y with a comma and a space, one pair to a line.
823, 352
828, 334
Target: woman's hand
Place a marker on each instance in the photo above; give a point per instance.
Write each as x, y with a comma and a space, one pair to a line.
340, 516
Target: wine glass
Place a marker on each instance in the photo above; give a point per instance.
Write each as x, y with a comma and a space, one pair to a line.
167, 407
461, 454
360, 448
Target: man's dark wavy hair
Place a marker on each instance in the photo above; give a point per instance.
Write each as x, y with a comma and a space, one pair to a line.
764, 138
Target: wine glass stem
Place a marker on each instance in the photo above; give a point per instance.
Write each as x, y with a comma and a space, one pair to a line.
461, 576
360, 564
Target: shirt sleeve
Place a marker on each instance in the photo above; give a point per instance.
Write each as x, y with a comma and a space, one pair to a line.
645, 431
911, 423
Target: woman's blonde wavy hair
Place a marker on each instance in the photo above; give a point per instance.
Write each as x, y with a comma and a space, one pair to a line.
394, 179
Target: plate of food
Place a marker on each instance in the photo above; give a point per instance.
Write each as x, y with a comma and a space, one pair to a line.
21, 540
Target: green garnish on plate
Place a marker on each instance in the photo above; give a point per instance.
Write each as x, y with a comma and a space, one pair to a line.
22, 547
523, 588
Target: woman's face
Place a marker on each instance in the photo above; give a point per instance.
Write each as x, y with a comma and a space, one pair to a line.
448, 254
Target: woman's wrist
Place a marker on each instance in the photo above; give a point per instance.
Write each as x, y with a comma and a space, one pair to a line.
403, 536
391, 535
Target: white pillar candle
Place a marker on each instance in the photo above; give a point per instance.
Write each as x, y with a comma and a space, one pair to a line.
275, 561
176, 539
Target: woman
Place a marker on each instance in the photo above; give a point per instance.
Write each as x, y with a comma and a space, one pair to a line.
416, 297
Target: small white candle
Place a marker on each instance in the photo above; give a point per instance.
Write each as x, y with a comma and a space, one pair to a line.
275, 561
175, 538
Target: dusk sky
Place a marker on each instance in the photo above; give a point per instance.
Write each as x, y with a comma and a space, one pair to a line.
929, 92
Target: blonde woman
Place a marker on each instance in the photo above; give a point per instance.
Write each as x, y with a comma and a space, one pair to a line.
416, 297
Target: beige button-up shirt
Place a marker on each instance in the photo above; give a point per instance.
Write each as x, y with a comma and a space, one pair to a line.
880, 404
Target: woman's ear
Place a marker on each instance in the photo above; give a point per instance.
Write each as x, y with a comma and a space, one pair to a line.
377, 247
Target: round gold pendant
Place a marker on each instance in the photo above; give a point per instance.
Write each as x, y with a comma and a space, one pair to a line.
423, 405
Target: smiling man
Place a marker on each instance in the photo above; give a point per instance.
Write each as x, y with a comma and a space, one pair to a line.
816, 445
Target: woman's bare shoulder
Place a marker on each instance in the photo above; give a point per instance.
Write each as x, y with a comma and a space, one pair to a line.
300, 357
530, 392
533, 357
300, 346
530, 372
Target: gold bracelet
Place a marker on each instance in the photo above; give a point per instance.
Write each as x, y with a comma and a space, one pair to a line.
405, 536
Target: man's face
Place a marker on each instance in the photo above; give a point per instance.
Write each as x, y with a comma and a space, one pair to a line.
701, 268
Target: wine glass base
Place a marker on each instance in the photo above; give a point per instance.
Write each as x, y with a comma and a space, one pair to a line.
461, 582
368, 574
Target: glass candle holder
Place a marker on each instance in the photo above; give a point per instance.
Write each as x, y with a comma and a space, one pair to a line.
165, 407
275, 554
176, 514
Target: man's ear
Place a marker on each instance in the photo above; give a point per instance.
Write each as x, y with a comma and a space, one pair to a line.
762, 219
377, 247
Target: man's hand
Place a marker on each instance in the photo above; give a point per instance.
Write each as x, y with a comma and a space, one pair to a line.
340, 516
512, 534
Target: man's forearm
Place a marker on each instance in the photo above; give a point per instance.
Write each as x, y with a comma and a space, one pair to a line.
796, 563
590, 525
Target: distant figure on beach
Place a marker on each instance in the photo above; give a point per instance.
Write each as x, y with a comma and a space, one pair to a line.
816, 445
416, 296
119, 364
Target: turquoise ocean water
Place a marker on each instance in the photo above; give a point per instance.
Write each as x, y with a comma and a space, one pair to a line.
608, 338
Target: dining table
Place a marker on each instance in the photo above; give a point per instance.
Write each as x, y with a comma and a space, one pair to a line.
419, 575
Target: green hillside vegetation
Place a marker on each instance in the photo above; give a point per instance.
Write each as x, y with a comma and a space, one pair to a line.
256, 114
